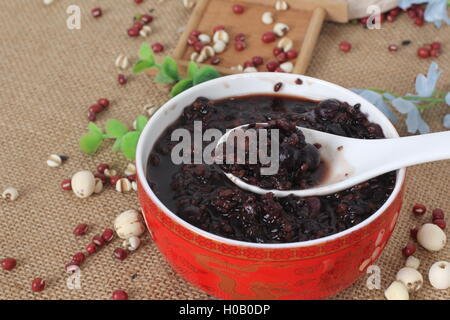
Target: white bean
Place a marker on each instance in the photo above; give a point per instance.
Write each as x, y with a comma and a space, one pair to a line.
10, 194
204, 38
396, 291
129, 224
123, 185
439, 275
280, 29
281, 5
54, 161
412, 262
267, 17
411, 278
219, 46
431, 237
83, 184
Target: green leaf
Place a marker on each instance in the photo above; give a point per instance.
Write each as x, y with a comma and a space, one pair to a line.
116, 145
142, 65
92, 127
181, 86
141, 121
205, 73
90, 142
192, 69
116, 129
146, 53
161, 78
129, 144
170, 69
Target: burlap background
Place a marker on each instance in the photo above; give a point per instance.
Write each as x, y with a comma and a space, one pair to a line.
50, 75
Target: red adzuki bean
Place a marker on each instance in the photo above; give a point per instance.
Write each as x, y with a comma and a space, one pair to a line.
98, 240
440, 223
8, 263
409, 249
80, 229
272, 66
146, 18
438, 214
133, 32
102, 167
108, 235
419, 209
157, 47
239, 45
121, 79
66, 185
120, 254
292, 54
92, 116
103, 102
257, 60
91, 248
119, 295
276, 51
268, 37
96, 108
96, 12
113, 180
238, 9
78, 258
345, 46
413, 232
37, 285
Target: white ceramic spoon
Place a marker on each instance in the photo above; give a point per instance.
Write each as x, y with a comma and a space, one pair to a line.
352, 161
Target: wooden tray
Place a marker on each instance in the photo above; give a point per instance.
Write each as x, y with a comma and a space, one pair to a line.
304, 18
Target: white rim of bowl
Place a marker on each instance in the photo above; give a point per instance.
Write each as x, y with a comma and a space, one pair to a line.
288, 77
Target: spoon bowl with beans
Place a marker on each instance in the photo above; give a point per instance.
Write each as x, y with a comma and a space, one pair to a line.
349, 161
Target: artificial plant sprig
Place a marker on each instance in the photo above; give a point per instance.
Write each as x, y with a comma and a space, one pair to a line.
125, 140
412, 105
169, 72
432, 100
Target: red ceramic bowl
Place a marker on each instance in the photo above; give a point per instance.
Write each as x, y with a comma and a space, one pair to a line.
231, 269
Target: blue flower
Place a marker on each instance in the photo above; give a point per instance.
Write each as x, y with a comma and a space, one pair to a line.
377, 100
414, 121
388, 96
405, 4
446, 121
437, 11
447, 98
425, 85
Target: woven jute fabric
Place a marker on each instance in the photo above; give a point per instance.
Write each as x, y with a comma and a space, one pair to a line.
50, 75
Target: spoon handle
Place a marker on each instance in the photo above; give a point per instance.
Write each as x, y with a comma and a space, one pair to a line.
386, 155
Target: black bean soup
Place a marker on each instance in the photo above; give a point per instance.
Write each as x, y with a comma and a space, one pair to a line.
203, 196
299, 163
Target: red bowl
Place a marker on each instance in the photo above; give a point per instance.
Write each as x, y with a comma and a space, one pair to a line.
231, 269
